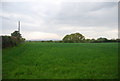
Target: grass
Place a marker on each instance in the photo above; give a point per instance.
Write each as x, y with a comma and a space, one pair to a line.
61, 61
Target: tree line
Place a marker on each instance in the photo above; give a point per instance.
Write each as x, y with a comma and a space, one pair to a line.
16, 38
13, 40
79, 38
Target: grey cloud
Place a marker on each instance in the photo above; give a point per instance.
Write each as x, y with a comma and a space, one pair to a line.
52, 18
79, 14
17, 7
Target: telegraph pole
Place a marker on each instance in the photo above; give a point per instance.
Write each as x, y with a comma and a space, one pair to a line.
19, 26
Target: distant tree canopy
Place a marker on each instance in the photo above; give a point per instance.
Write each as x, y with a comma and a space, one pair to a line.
74, 38
16, 34
102, 39
79, 38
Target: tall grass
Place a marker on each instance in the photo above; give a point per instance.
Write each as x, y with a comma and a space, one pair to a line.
61, 61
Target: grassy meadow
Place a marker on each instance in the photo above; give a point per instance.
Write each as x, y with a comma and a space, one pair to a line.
34, 60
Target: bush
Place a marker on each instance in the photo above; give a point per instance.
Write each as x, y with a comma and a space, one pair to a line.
10, 41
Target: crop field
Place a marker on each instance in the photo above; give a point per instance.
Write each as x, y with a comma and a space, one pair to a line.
34, 60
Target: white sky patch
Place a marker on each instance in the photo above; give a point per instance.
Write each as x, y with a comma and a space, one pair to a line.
41, 36
93, 32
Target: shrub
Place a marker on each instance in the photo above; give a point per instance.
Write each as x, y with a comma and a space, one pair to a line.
10, 41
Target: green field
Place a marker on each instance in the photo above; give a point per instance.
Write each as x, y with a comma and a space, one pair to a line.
34, 60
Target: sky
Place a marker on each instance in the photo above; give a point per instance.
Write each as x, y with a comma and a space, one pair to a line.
52, 20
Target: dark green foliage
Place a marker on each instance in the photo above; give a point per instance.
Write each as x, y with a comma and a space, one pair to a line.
50, 41
74, 38
92, 40
102, 39
13, 40
105, 40
16, 34
47, 41
79, 38
9, 41
114, 40
87, 41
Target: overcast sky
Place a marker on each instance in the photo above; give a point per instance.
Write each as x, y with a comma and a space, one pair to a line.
45, 20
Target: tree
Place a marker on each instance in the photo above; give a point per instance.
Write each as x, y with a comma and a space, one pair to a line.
74, 38
102, 39
87, 40
118, 40
16, 34
92, 40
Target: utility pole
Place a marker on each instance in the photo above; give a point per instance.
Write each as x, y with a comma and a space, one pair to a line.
19, 26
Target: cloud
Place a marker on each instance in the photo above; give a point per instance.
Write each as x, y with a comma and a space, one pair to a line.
55, 19
87, 14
